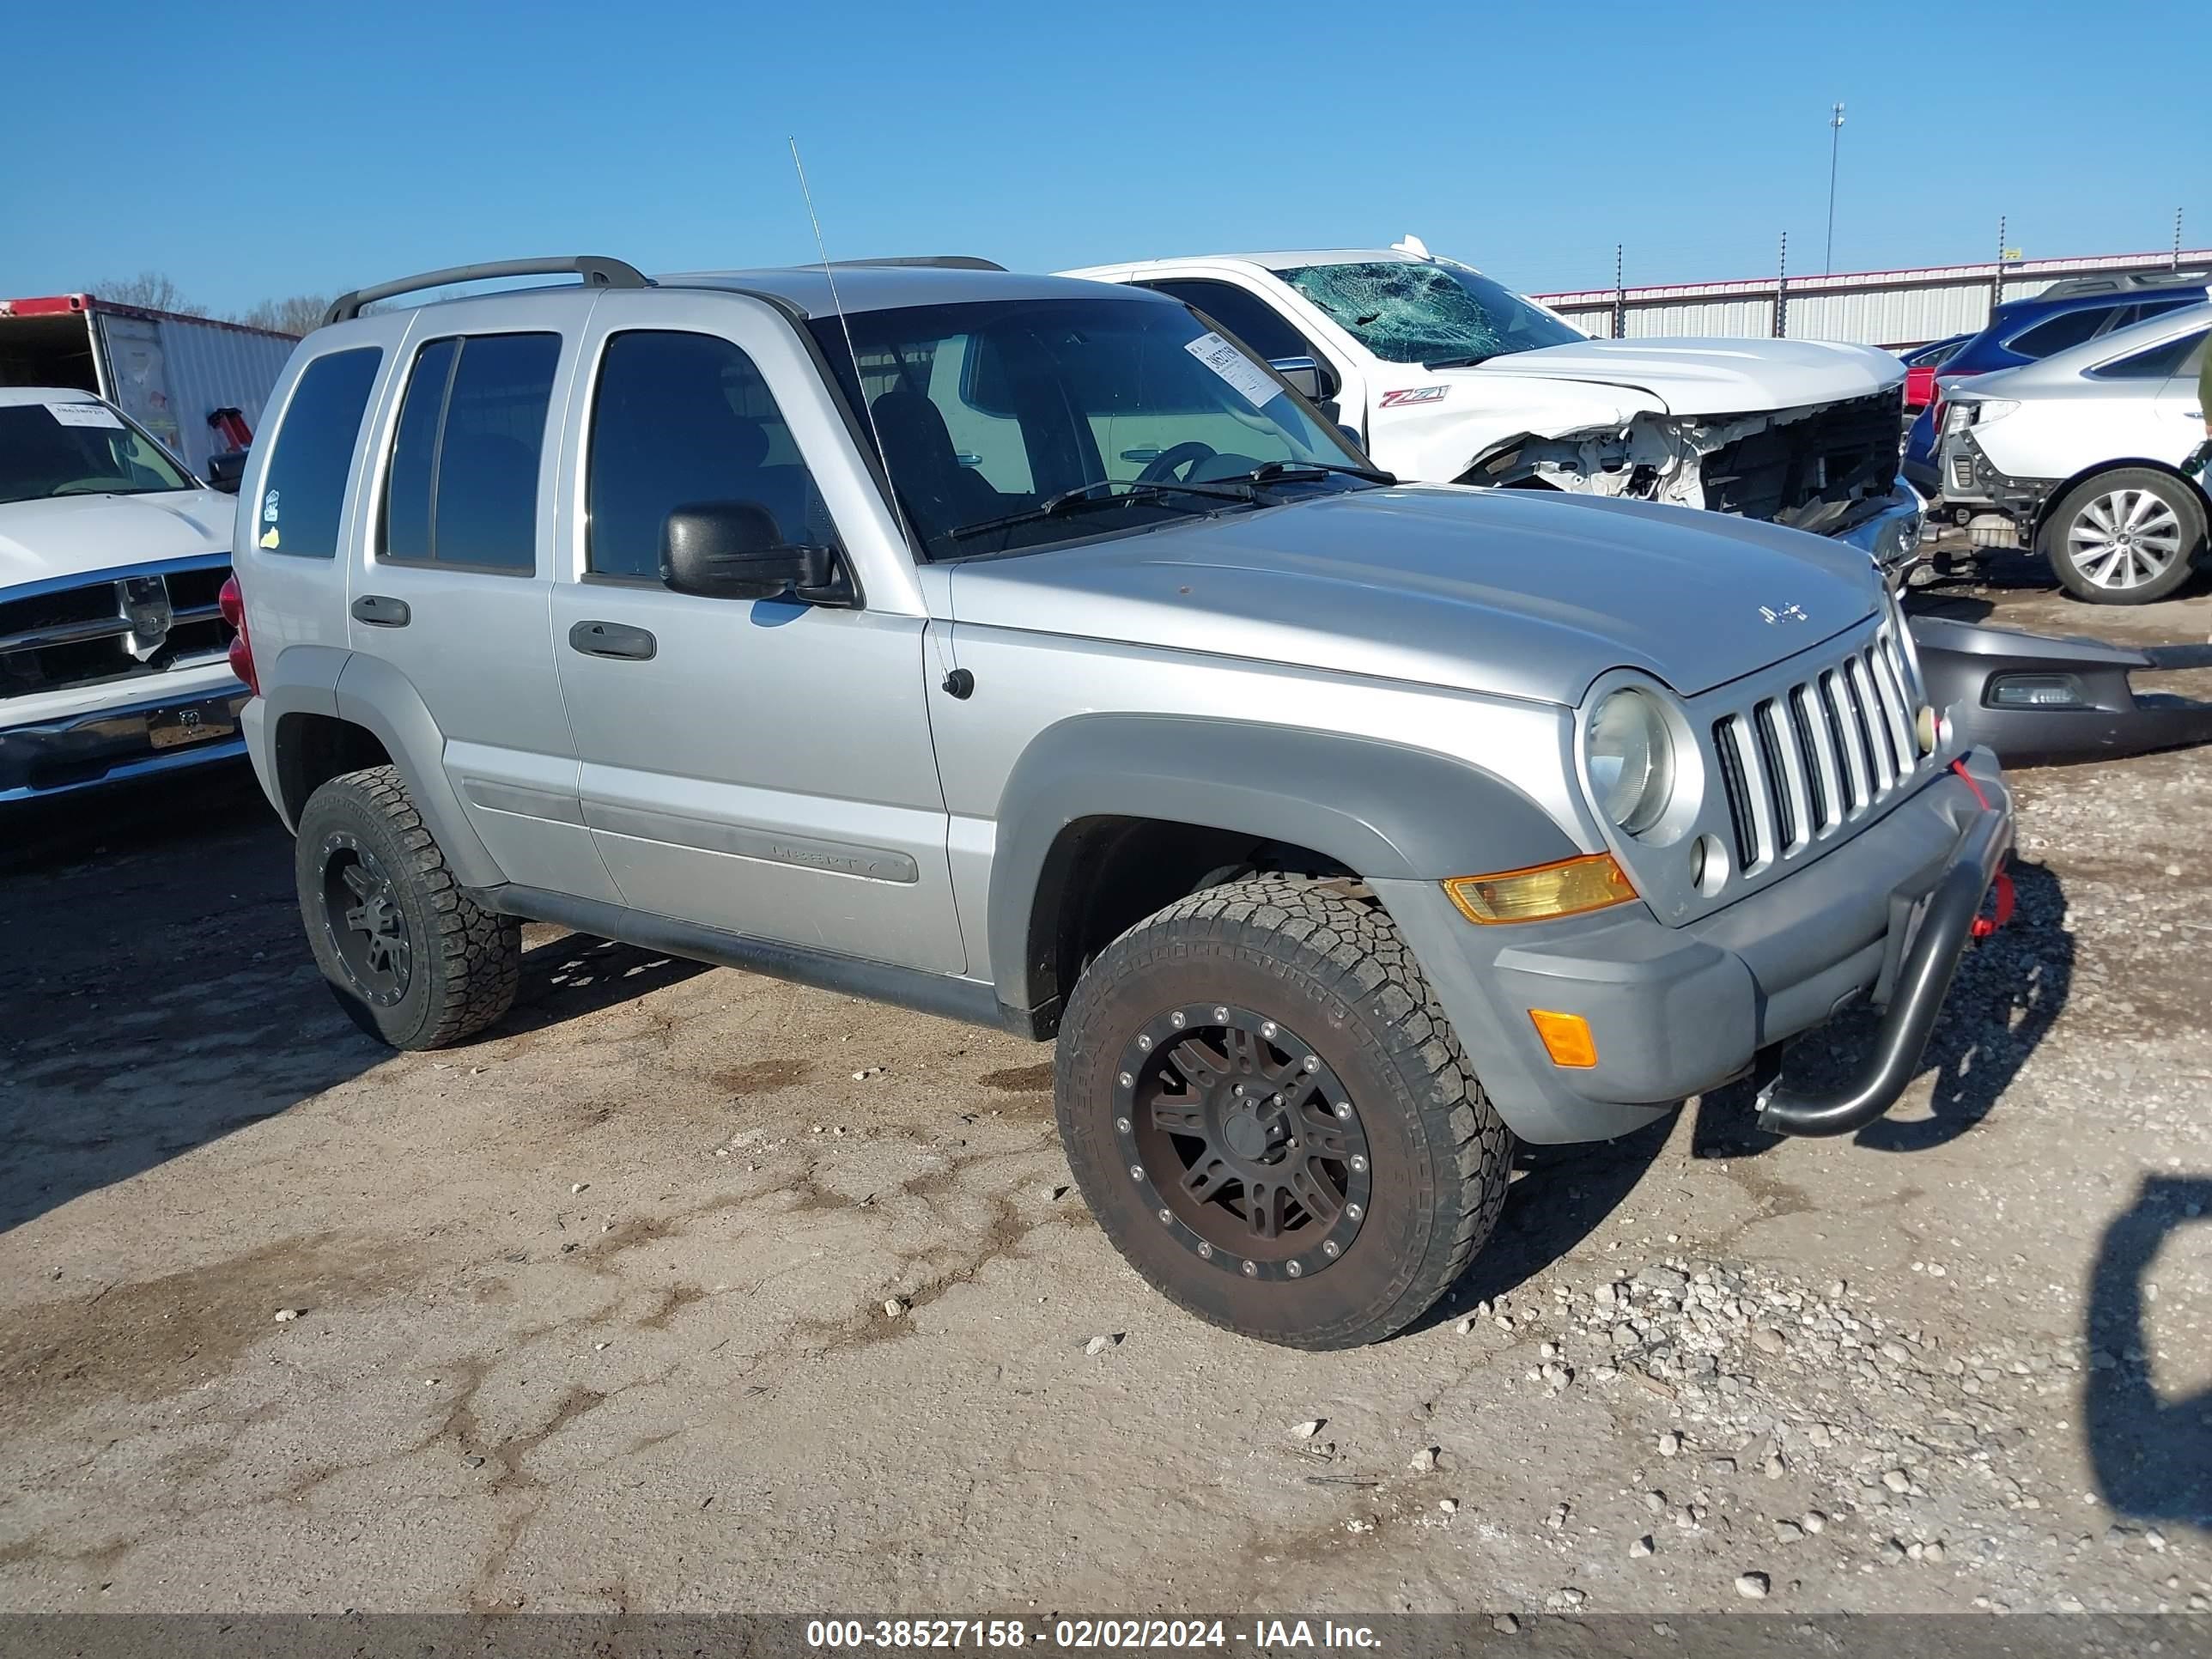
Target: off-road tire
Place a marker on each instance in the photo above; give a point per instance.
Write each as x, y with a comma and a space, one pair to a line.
2186, 506
465, 961
1327, 963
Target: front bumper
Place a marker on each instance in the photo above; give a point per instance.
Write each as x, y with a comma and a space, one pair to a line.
1892, 536
52, 757
2088, 708
1676, 1012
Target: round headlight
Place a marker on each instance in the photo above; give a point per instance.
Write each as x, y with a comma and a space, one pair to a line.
1631, 760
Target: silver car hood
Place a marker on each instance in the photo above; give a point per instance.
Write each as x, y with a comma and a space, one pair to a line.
1700, 377
1515, 593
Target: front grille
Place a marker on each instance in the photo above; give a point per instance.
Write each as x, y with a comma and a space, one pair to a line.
1798, 765
84, 635
1809, 471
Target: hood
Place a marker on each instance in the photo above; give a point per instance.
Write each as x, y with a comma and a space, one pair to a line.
1517, 593
68, 535
1697, 377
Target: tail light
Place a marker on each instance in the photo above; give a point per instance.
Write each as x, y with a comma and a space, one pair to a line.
232, 604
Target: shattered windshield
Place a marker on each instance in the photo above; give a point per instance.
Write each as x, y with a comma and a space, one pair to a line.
1440, 315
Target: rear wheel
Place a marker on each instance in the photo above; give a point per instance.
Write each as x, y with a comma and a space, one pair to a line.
2127, 537
411, 959
1271, 1118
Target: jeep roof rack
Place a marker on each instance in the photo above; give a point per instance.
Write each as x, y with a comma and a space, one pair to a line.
941, 261
596, 270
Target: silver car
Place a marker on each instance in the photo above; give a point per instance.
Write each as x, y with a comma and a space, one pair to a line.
1018, 649
2081, 457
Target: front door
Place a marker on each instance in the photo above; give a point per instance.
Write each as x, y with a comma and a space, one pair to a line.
762, 767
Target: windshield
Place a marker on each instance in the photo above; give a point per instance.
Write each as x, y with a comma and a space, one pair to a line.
1018, 424
1441, 315
67, 448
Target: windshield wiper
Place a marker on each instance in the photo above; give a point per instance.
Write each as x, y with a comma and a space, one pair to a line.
1460, 362
1307, 472
1083, 496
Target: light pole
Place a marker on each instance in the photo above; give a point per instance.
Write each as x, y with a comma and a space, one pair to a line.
1835, 142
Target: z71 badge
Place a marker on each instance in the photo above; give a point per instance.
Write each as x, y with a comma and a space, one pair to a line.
1414, 394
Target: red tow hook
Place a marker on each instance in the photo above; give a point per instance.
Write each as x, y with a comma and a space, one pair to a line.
1985, 925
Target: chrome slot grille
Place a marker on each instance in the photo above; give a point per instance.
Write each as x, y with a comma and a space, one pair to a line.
118, 627
1798, 765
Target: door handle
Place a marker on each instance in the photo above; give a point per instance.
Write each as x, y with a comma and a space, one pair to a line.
381, 612
607, 639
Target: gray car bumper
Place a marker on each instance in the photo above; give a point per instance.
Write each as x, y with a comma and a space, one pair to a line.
107, 745
1892, 536
1678, 1010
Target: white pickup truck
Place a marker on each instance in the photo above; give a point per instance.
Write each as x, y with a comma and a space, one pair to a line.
1448, 376
113, 637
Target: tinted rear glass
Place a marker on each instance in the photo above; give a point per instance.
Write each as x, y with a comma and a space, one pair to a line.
463, 486
303, 491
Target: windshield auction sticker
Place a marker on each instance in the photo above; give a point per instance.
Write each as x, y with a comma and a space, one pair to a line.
98, 415
1246, 378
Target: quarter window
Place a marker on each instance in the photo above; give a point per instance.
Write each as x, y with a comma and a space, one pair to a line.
462, 489
2158, 362
303, 488
680, 419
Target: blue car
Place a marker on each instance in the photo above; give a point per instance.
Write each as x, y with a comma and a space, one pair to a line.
2028, 331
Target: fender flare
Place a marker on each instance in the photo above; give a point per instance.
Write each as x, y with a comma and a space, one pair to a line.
372, 694
1384, 811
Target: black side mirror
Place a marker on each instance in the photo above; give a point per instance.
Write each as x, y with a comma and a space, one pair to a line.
227, 471
733, 551
1304, 375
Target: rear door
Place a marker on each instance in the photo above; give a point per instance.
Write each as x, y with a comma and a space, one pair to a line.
762, 767
454, 585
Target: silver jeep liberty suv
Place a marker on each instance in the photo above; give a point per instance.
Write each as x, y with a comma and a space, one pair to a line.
1022, 650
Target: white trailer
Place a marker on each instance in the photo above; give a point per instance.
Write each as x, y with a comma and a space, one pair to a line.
174, 375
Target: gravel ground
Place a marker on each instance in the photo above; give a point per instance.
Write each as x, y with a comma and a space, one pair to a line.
688, 1290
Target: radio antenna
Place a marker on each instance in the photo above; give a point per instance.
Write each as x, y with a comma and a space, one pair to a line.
830, 275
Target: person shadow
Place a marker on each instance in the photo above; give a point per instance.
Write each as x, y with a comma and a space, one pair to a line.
2003, 1001
2152, 1457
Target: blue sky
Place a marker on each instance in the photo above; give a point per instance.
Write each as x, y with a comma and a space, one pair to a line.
329, 149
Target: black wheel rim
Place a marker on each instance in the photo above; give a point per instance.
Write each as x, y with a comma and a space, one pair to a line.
363, 919
1247, 1146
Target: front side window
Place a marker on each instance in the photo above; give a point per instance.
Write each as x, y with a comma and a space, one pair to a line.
78, 448
1015, 424
1438, 315
303, 489
1247, 316
462, 489
680, 420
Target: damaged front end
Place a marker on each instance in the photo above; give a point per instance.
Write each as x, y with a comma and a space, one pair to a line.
1829, 469
2038, 701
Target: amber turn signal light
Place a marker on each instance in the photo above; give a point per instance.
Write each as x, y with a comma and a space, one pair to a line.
1567, 1038
1565, 889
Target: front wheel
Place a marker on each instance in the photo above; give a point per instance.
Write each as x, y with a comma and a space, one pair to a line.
2126, 536
1272, 1119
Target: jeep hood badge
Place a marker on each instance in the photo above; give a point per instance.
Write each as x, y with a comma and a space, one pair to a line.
1787, 613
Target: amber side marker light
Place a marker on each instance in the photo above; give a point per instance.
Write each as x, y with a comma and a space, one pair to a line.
1567, 1038
1565, 889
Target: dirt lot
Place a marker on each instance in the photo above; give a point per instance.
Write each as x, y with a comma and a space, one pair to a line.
592, 1312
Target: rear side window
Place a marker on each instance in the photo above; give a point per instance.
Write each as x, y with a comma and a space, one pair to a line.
2067, 328
303, 490
2160, 362
462, 489
680, 419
